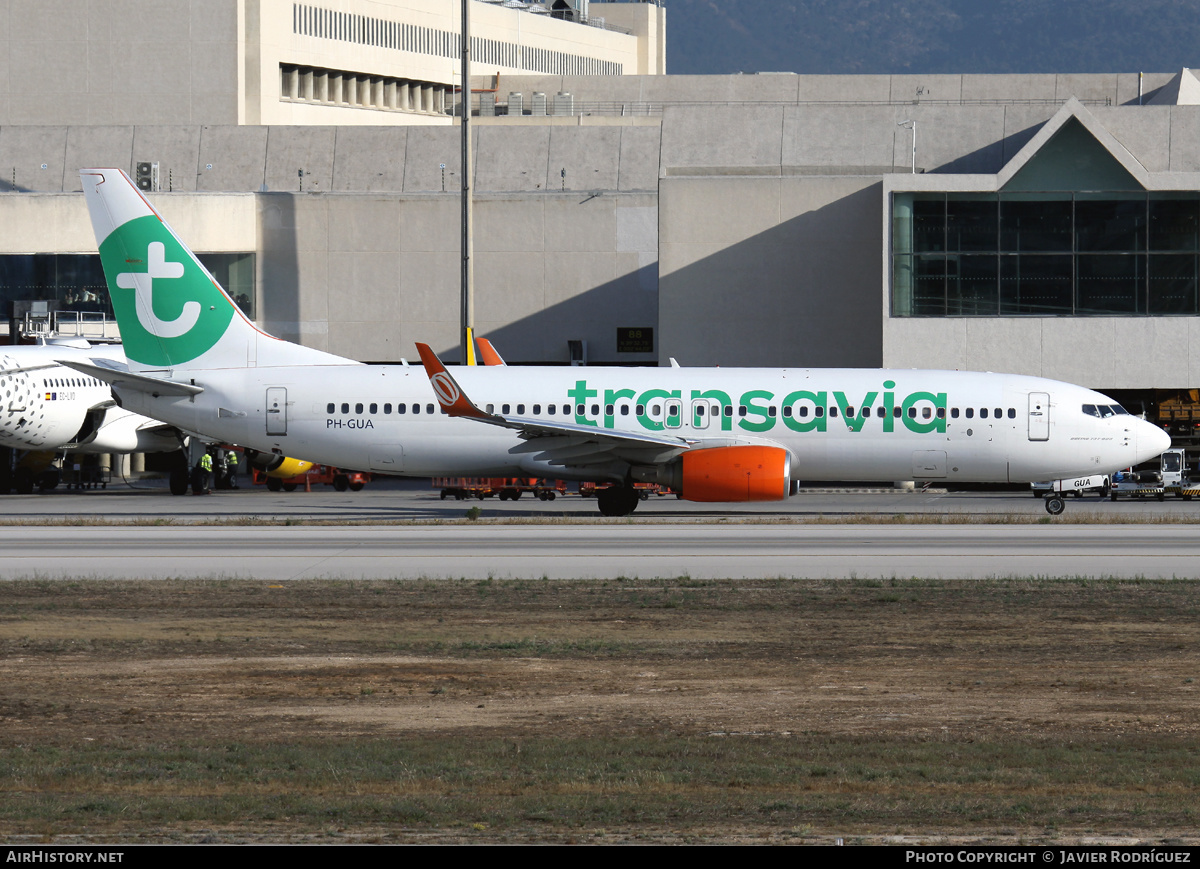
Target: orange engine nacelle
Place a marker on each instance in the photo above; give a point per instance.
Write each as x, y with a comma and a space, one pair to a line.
735, 474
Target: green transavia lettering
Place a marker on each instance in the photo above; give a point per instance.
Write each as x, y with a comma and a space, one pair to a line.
756, 410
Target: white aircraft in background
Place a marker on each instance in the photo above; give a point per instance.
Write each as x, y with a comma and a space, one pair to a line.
48, 408
712, 434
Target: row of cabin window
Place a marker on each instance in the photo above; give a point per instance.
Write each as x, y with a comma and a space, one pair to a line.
374, 408
61, 382
927, 412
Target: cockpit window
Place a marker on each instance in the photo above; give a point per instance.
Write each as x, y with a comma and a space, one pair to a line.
1106, 411
1118, 410
1091, 410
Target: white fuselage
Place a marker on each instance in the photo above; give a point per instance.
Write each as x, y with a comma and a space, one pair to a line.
921, 425
46, 405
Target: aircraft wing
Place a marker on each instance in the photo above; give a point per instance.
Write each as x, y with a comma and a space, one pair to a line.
115, 375
558, 443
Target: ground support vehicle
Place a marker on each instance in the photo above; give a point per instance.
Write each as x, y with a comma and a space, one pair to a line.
1054, 490
318, 475
644, 490
506, 488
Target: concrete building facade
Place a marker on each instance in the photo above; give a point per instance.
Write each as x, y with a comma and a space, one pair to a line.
737, 220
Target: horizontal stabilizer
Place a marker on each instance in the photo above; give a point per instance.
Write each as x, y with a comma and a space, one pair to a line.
123, 379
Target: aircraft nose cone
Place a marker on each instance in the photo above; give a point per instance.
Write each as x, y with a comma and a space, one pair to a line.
1151, 441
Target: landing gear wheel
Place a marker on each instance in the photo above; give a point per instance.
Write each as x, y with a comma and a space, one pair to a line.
1055, 505
618, 500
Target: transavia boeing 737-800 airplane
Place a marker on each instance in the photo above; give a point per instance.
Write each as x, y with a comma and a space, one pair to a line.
712, 434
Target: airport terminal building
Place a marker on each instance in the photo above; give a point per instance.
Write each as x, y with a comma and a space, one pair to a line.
1040, 224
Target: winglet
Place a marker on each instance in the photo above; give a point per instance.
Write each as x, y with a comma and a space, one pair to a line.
449, 394
488, 353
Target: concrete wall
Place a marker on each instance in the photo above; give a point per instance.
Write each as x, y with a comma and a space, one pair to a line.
366, 276
146, 62
770, 271
58, 223
230, 158
1103, 352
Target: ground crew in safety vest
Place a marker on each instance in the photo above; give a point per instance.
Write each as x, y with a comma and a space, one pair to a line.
203, 475
231, 466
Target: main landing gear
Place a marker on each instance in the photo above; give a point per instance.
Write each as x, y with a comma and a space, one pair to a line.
618, 500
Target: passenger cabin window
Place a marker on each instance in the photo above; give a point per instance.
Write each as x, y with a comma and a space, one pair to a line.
521, 409
387, 408
537, 410
400, 408
624, 410
1012, 413
374, 408
505, 408
345, 407
416, 408
329, 408
358, 407
429, 408
954, 413
970, 413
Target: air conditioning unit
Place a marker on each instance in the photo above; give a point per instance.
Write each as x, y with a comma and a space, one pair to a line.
147, 177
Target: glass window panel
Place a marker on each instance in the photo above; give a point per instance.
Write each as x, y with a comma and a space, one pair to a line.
972, 285
1110, 284
971, 224
1173, 281
1174, 223
1033, 224
928, 225
1035, 284
929, 286
1110, 224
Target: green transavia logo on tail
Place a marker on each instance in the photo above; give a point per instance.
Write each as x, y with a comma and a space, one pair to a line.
169, 310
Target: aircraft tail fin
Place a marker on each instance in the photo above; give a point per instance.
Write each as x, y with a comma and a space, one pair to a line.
488, 353
172, 313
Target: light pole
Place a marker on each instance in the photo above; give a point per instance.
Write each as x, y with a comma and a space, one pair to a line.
468, 265
911, 125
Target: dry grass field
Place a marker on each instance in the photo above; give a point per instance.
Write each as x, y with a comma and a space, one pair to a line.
609, 711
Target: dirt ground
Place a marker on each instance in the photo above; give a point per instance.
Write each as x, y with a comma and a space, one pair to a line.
894, 711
